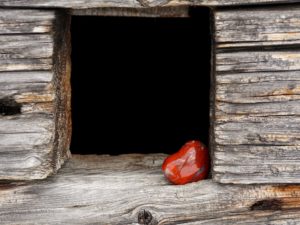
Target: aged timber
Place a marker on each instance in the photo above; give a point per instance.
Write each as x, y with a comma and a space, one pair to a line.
256, 125
34, 87
84, 4
129, 189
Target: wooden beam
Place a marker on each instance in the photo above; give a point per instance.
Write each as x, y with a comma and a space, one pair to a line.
169, 12
88, 4
131, 189
256, 27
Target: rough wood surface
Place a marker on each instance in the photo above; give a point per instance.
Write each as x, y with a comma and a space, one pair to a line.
265, 26
178, 11
34, 93
84, 4
257, 86
130, 189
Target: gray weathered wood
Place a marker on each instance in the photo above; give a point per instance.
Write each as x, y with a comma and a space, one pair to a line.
119, 189
34, 81
254, 61
256, 110
76, 4
16, 21
267, 26
178, 11
84, 4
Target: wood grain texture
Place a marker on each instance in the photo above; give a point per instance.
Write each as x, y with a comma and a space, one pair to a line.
86, 4
256, 114
33, 76
123, 189
264, 26
169, 12
17, 21
214, 3
76, 4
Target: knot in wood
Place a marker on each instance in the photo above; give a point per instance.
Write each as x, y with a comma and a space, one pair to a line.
144, 217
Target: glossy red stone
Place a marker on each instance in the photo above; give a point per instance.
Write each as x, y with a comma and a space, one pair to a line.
189, 164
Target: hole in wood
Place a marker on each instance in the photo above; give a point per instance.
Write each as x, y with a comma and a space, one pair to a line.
140, 85
9, 107
267, 204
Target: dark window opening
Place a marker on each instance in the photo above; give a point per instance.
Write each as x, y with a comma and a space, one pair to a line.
140, 85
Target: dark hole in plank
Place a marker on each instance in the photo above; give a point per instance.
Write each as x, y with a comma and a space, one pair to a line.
140, 85
267, 204
9, 107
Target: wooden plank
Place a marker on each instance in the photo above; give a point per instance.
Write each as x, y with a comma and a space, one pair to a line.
129, 188
25, 147
259, 94
216, 3
62, 88
34, 93
18, 21
268, 130
177, 11
76, 4
26, 52
26, 40
255, 61
26, 46
264, 26
19, 85
257, 162
84, 4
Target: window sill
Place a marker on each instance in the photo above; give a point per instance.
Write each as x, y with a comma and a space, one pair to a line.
130, 188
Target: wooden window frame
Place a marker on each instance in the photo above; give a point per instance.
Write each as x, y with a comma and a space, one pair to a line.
91, 189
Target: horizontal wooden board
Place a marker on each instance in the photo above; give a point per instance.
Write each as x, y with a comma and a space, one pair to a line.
259, 131
79, 4
129, 188
18, 85
256, 78
257, 162
26, 52
254, 27
26, 46
178, 11
258, 61
18, 21
26, 144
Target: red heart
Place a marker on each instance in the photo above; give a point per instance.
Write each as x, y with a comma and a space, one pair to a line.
189, 164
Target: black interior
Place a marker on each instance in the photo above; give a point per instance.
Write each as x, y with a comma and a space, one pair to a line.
140, 85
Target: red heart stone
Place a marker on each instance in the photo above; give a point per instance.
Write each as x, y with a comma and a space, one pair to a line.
189, 164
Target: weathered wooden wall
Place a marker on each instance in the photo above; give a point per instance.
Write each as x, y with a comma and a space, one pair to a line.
257, 108
34, 93
131, 189
256, 130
